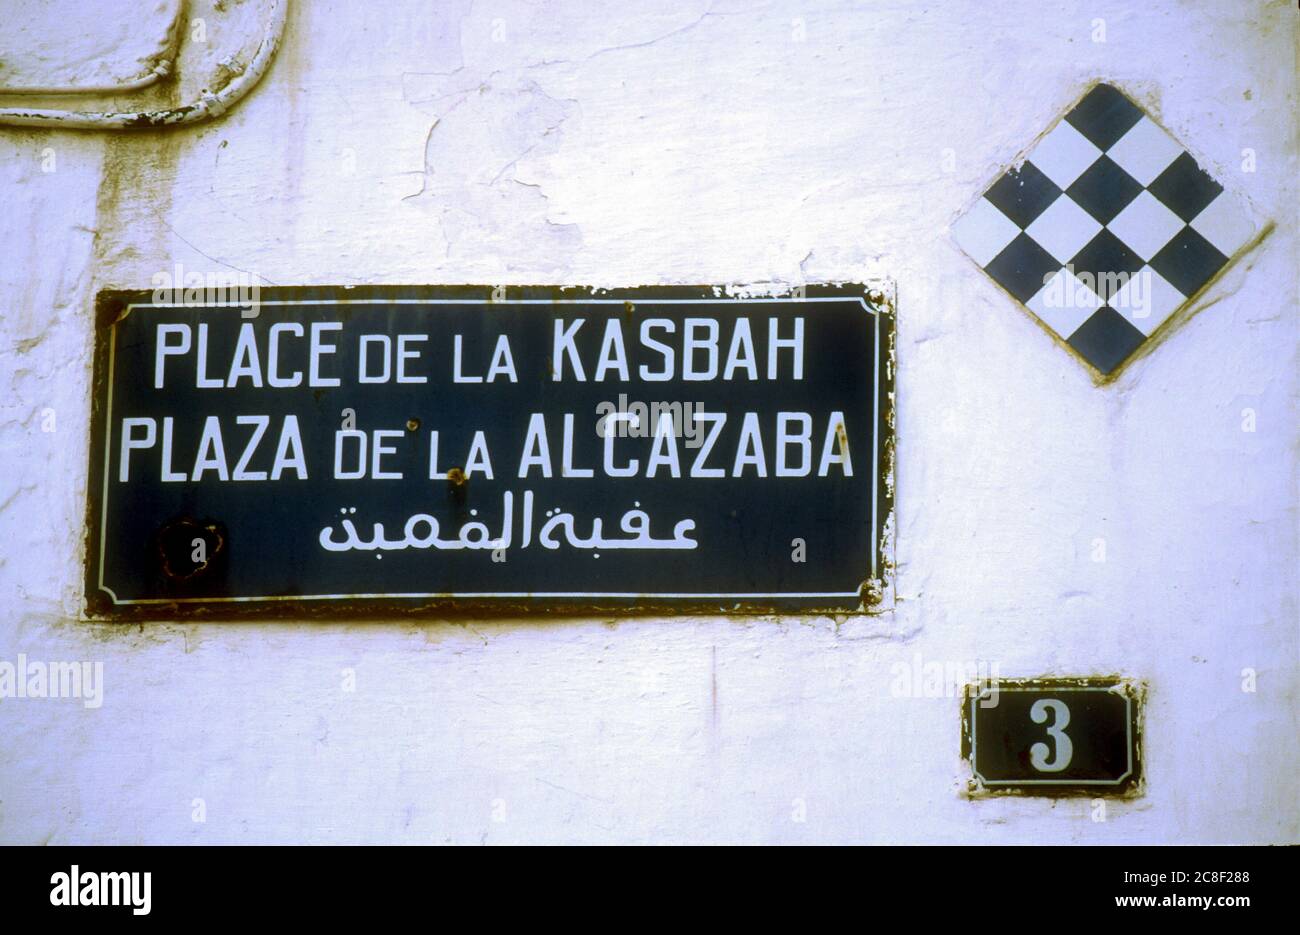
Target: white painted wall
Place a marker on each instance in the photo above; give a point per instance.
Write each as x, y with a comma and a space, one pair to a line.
682, 142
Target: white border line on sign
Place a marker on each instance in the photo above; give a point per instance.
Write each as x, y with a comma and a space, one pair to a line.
1128, 733
875, 456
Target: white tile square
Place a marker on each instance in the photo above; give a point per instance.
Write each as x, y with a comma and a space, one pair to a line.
1145, 151
1146, 300
1146, 225
1063, 155
1063, 229
1225, 223
1064, 303
984, 231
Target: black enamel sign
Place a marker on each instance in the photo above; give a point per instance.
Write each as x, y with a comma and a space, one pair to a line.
505, 448
1053, 736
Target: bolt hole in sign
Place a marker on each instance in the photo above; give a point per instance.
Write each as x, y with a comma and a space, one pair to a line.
1061, 736
317, 450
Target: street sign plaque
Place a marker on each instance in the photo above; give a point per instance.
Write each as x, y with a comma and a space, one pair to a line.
1053, 736
329, 449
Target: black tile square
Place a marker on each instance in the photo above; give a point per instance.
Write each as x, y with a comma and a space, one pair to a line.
1022, 267
1104, 189
1106, 339
1105, 264
1103, 116
1023, 194
1185, 188
1188, 261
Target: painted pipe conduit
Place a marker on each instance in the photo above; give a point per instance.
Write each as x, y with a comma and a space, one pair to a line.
208, 106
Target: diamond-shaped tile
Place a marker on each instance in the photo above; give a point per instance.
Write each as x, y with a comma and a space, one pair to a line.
1064, 303
1104, 190
1104, 115
1225, 224
1185, 188
1106, 228
1063, 154
1105, 263
1146, 299
1145, 151
1063, 229
1188, 261
984, 231
1022, 267
1106, 340
1023, 194
1145, 225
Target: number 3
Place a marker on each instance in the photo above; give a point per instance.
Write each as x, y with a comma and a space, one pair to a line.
1038, 753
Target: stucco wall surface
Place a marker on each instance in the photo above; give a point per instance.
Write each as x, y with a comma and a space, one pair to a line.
687, 142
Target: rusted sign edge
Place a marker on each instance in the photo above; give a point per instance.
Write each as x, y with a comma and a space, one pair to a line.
877, 593
1132, 787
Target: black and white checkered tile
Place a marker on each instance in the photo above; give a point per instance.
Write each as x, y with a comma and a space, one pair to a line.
1107, 228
